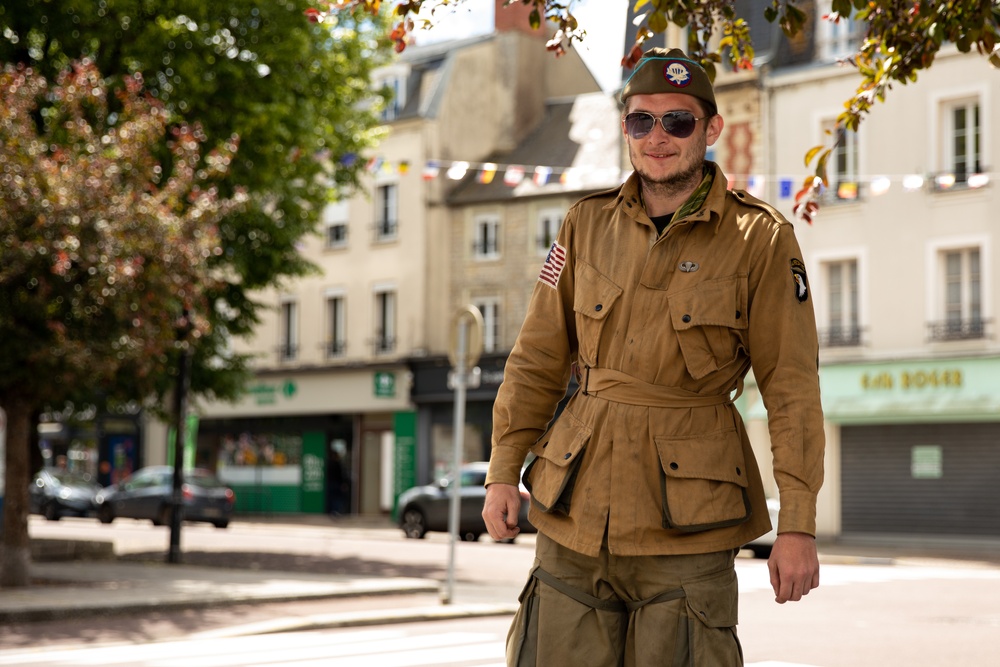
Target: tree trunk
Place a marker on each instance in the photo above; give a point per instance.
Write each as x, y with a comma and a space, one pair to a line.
15, 557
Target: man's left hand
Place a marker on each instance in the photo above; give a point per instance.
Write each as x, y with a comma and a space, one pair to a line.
794, 566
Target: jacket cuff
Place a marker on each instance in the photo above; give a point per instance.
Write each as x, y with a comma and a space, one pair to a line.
797, 513
505, 466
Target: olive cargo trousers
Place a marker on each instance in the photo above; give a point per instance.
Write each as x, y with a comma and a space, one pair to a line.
626, 611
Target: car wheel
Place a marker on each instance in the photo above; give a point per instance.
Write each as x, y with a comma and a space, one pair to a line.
414, 525
52, 512
470, 536
221, 523
105, 514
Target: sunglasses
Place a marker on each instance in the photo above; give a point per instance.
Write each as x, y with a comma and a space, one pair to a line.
678, 124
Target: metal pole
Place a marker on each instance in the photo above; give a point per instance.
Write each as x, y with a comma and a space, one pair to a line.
180, 428
456, 465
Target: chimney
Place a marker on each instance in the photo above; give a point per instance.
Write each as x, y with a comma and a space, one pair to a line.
514, 17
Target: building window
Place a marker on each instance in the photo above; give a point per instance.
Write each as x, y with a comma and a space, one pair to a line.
548, 227
490, 310
486, 241
960, 270
336, 338
842, 326
962, 144
335, 218
386, 212
385, 321
288, 339
842, 166
838, 36
394, 98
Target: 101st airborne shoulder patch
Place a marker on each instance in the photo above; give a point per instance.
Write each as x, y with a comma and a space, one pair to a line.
799, 281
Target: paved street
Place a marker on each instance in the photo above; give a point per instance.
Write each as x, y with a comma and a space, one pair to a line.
875, 607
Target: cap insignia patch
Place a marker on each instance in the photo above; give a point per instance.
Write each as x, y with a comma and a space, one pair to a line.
677, 74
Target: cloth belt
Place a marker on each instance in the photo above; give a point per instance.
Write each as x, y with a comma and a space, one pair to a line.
621, 606
620, 387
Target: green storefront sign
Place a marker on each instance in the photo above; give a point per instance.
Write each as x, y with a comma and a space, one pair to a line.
385, 384
313, 472
405, 465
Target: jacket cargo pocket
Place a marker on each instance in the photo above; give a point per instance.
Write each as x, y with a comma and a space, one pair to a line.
713, 601
704, 482
551, 475
710, 320
593, 298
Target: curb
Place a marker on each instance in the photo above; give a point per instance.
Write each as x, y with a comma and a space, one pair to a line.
362, 619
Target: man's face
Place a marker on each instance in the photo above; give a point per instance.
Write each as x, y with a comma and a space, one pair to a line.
666, 160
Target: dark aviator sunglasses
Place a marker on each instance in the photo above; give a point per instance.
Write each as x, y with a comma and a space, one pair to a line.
678, 124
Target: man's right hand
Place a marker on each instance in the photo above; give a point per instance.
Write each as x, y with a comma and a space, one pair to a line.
501, 509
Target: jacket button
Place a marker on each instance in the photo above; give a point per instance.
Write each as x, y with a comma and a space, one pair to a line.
738, 314
738, 471
598, 307
674, 466
686, 318
568, 456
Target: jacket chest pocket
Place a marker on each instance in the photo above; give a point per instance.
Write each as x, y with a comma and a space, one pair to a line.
551, 475
594, 298
704, 481
710, 320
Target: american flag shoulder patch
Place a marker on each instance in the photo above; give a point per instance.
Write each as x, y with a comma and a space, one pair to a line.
554, 263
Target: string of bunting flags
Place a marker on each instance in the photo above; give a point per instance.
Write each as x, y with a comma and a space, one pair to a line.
804, 198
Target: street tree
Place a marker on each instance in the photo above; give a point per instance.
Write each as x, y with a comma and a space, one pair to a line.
901, 37
104, 245
298, 95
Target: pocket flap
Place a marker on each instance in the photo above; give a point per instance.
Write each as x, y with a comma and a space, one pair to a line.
594, 294
714, 600
716, 456
720, 302
564, 442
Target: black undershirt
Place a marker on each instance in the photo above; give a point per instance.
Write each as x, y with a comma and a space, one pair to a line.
661, 222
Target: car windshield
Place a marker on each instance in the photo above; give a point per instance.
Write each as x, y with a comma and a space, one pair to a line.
69, 478
203, 479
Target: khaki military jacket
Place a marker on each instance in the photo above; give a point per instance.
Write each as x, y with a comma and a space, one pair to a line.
661, 332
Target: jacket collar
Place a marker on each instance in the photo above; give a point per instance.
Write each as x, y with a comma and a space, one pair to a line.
711, 205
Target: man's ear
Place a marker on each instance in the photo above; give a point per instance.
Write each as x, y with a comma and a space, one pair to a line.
715, 125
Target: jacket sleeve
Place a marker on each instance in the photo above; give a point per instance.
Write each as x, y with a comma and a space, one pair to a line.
538, 369
784, 352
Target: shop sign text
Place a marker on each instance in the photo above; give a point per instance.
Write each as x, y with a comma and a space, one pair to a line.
879, 380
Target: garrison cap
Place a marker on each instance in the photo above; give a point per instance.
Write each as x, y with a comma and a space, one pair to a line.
663, 71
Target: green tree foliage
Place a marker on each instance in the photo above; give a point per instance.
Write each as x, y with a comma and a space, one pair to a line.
294, 93
101, 249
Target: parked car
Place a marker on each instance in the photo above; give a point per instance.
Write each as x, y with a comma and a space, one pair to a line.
425, 508
56, 492
148, 492
761, 547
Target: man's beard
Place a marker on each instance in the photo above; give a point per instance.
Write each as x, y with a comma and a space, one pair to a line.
681, 182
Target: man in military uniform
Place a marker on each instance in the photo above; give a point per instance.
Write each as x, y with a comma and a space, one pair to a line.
661, 295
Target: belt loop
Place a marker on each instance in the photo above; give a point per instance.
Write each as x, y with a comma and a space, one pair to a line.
586, 379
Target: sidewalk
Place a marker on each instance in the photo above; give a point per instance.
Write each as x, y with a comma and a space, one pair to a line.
82, 586
69, 589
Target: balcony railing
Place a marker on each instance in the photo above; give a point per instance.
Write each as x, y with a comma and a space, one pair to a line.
971, 329
849, 336
384, 344
287, 351
335, 348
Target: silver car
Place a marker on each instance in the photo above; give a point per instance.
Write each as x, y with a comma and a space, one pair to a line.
147, 494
